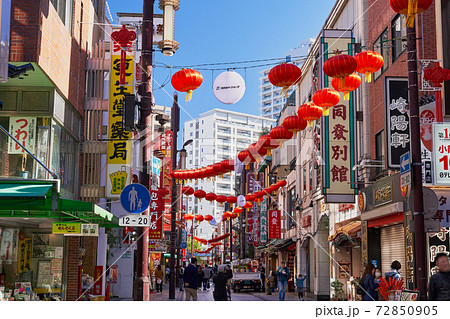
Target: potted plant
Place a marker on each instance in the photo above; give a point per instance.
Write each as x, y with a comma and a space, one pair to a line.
339, 293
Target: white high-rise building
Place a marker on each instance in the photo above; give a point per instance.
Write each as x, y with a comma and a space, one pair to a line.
217, 135
271, 101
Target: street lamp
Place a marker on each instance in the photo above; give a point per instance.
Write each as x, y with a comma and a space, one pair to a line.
168, 45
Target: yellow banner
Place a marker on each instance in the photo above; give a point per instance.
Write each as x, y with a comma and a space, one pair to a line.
119, 146
66, 228
24, 255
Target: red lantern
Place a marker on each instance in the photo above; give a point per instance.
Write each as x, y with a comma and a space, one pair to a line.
250, 197
282, 183
294, 124
274, 187
285, 75
280, 134
186, 80
368, 62
226, 215
210, 197
267, 191
209, 171
410, 8
259, 194
234, 215
221, 199
326, 98
200, 193
186, 190
245, 157
268, 143
250, 221
199, 218
238, 210
340, 66
188, 216
310, 112
248, 205
228, 165
209, 218
351, 83
257, 150
218, 169
231, 200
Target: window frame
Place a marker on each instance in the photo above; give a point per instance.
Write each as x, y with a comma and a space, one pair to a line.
401, 19
385, 66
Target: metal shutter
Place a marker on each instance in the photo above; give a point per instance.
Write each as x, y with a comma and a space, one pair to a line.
392, 248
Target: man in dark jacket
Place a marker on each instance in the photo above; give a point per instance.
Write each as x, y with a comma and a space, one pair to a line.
190, 279
220, 285
439, 287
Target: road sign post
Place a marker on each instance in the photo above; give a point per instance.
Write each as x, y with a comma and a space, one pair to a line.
135, 198
405, 170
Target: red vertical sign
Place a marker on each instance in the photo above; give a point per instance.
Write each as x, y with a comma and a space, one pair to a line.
166, 148
274, 224
155, 211
98, 284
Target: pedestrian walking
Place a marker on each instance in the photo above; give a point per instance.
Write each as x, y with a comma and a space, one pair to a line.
220, 281
201, 275
229, 274
159, 276
206, 277
299, 281
283, 275
190, 278
181, 274
439, 287
394, 272
369, 284
262, 270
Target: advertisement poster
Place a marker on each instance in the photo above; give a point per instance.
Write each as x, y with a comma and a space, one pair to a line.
9, 247
441, 153
24, 130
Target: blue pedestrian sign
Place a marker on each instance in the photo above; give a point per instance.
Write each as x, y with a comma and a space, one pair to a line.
183, 245
135, 198
404, 163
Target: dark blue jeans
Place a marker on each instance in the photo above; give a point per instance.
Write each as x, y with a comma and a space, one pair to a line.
282, 285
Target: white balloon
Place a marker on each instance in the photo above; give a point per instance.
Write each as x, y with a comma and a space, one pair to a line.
229, 87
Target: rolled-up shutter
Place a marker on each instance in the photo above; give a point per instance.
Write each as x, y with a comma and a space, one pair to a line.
392, 247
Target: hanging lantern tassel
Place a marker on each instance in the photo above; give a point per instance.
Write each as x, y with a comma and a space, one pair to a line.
346, 95
341, 82
368, 77
188, 95
285, 91
326, 111
247, 166
412, 10
310, 123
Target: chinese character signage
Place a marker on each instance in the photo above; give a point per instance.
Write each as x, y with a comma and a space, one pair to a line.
66, 228
274, 224
443, 212
166, 141
119, 144
98, 283
441, 153
439, 243
338, 151
156, 214
24, 130
250, 183
89, 230
24, 255
263, 222
427, 117
397, 120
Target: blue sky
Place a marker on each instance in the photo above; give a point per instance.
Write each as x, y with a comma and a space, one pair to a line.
211, 31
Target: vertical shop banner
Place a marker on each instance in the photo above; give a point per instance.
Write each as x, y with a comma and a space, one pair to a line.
263, 222
119, 144
250, 183
427, 118
24, 255
9, 244
441, 153
274, 224
439, 243
397, 120
98, 281
166, 143
24, 130
156, 214
338, 137
255, 230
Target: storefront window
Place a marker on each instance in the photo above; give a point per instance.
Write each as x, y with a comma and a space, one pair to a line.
65, 157
31, 264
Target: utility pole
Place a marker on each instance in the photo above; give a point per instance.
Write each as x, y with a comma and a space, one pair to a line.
142, 283
175, 118
419, 229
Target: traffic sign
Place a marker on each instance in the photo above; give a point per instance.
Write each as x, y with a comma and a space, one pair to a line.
135, 198
405, 179
183, 245
156, 166
404, 163
135, 221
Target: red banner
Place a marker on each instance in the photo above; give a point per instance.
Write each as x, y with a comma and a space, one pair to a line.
155, 211
98, 283
274, 224
166, 148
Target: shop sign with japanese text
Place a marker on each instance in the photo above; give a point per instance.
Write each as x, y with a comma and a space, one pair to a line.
443, 212
439, 243
24, 255
89, 230
166, 141
263, 222
24, 130
119, 144
98, 283
274, 224
397, 119
427, 118
66, 228
338, 138
155, 212
250, 183
441, 153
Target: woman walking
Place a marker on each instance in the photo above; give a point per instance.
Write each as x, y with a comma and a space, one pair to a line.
159, 275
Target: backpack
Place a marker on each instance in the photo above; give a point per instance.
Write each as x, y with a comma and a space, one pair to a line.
360, 287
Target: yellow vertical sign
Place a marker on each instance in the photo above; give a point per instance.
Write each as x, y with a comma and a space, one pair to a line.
119, 144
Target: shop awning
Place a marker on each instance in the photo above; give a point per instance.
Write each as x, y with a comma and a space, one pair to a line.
40, 199
266, 161
285, 245
350, 229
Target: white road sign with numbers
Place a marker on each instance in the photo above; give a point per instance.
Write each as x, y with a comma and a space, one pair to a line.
135, 221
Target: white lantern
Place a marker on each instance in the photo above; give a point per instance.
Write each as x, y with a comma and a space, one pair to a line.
229, 87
